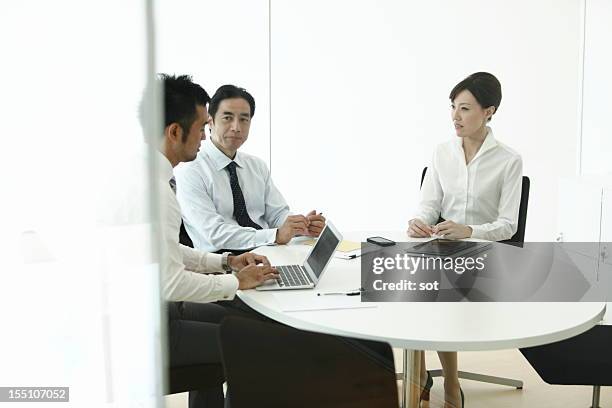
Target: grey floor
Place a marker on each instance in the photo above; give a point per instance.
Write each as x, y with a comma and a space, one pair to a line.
506, 363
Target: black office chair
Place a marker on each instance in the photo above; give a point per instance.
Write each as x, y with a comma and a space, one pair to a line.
519, 236
184, 237
581, 360
423, 175
440, 219
195, 377
518, 239
271, 365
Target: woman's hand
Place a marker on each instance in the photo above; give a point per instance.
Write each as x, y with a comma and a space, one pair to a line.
418, 229
452, 230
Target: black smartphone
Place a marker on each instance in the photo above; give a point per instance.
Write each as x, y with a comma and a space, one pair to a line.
380, 241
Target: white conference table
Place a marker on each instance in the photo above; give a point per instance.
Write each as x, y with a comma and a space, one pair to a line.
413, 326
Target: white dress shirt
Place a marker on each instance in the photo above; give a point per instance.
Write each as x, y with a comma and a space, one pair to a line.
205, 195
484, 194
182, 267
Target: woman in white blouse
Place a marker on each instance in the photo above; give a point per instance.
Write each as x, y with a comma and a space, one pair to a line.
472, 188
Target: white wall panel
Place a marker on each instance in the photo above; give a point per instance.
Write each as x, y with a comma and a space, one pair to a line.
597, 108
220, 42
360, 98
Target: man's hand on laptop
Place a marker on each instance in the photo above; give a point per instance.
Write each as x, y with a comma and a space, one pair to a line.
316, 223
246, 259
293, 225
254, 275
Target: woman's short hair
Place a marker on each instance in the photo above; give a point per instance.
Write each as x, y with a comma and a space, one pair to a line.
485, 88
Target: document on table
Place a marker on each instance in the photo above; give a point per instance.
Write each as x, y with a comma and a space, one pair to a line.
346, 249
294, 301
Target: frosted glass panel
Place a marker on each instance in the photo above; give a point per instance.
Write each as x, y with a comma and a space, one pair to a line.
79, 291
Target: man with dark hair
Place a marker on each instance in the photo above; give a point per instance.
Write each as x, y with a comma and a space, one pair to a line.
228, 198
193, 323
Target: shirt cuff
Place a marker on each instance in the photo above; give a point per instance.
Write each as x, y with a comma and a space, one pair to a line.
265, 236
227, 285
478, 232
213, 262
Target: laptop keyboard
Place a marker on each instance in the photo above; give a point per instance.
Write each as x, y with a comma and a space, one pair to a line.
292, 275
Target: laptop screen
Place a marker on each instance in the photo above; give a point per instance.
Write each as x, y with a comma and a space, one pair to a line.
322, 251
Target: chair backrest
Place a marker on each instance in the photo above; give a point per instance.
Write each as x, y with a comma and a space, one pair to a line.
271, 365
423, 175
519, 235
194, 377
581, 360
184, 237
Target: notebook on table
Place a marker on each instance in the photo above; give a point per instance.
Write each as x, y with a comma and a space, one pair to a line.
440, 247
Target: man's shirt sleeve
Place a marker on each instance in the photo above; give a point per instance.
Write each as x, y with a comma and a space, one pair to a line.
179, 283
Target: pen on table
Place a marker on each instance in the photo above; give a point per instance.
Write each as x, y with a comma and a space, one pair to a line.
424, 243
350, 293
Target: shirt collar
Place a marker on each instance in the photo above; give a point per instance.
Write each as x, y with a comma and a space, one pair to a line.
164, 167
489, 143
220, 160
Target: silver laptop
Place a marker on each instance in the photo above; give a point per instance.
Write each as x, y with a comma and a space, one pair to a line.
307, 275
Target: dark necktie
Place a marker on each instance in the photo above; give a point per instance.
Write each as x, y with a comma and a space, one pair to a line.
240, 212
